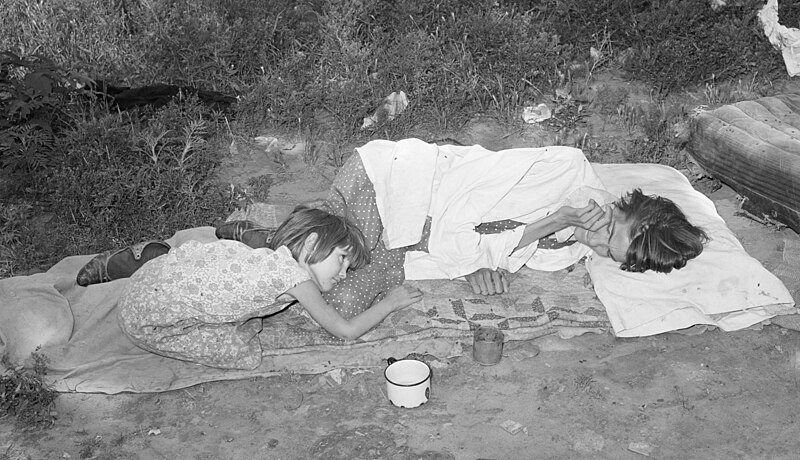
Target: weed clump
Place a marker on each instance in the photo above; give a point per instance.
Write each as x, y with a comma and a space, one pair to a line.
25, 395
135, 176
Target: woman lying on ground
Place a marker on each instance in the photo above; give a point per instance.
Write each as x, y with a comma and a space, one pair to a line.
204, 303
479, 201
640, 232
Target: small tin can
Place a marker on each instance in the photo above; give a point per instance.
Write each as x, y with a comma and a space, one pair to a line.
487, 345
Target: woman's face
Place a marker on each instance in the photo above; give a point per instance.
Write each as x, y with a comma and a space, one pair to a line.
612, 240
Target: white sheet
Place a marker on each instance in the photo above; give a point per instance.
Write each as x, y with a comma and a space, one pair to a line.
724, 286
471, 185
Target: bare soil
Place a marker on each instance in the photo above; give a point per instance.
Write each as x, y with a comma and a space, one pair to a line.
710, 395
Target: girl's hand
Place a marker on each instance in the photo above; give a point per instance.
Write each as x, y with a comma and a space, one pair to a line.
307, 293
591, 217
402, 296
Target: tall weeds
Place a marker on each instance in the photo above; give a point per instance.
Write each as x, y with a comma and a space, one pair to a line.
313, 70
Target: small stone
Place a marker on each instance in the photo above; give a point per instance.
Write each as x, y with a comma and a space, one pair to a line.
511, 426
337, 375
641, 448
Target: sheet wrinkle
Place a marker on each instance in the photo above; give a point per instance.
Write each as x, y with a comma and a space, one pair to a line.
405, 170
467, 196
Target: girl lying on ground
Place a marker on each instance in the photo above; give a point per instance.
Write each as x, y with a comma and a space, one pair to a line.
204, 302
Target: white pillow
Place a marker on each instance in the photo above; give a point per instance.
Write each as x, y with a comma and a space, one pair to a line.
724, 286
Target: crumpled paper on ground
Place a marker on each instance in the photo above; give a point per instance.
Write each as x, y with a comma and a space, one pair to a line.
536, 114
393, 105
785, 39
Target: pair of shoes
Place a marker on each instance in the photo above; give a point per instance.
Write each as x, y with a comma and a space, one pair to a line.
248, 232
120, 263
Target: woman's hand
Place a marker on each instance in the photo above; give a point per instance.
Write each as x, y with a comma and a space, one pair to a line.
591, 217
400, 297
488, 282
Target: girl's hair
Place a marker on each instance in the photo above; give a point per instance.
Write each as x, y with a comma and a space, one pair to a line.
332, 232
661, 236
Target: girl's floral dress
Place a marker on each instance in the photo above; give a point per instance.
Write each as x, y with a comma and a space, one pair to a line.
203, 302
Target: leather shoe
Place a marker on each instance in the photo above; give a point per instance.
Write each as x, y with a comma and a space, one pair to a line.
248, 232
120, 263
233, 229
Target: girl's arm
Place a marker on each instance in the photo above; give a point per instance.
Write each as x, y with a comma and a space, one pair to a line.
311, 299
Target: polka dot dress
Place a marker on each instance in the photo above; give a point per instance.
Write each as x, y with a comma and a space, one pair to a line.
353, 195
497, 226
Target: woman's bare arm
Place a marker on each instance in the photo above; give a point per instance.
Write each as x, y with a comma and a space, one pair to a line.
591, 217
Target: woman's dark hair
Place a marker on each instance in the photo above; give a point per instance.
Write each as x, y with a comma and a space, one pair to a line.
661, 236
332, 232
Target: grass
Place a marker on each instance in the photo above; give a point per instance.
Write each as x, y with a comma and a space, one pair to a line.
76, 177
25, 396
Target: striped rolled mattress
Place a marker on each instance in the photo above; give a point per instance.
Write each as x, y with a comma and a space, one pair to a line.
754, 147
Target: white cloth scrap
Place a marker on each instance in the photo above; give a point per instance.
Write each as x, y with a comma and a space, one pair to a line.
785, 39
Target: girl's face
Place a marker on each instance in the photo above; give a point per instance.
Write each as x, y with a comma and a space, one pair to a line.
612, 240
326, 273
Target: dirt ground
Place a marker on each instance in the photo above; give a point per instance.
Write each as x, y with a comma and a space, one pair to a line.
710, 395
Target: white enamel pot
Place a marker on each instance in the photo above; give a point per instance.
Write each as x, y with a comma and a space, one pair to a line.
408, 382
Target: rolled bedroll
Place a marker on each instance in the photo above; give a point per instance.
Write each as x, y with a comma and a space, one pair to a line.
754, 147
